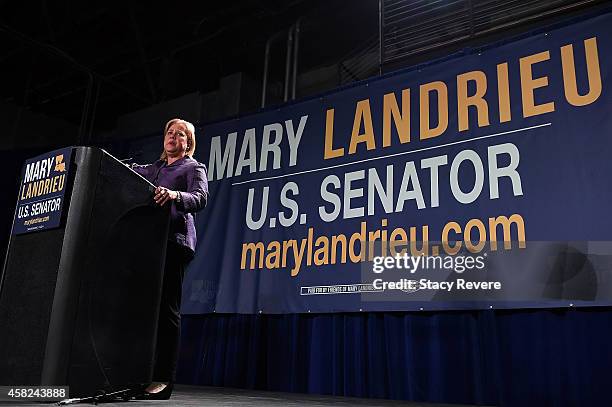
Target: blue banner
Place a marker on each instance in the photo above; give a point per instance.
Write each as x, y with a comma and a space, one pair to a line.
478, 181
44, 180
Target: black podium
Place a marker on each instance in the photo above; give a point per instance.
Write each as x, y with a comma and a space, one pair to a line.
79, 302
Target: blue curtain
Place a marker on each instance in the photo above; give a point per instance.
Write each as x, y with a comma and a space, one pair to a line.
507, 358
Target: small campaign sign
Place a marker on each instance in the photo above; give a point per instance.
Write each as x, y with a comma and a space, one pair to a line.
44, 180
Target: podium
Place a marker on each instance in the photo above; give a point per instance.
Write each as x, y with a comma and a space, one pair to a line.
79, 301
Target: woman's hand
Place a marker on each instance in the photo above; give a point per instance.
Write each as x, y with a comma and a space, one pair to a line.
163, 195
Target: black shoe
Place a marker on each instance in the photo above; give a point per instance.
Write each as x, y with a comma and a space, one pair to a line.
160, 395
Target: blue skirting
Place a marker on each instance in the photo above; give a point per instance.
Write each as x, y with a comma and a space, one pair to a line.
507, 358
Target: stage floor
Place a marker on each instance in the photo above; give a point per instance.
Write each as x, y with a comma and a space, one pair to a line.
221, 396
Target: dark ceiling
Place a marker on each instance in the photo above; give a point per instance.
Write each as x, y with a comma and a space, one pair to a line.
132, 55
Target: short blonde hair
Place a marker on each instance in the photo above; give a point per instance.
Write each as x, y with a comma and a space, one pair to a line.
191, 141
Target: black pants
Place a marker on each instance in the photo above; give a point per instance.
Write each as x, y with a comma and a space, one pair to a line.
169, 322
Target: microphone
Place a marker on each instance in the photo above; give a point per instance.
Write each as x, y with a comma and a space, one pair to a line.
128, 160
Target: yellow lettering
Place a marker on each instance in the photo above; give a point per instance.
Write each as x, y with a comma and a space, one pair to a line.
62, 179
273, 256
397, 238
287, 244
321, 256
401, 120
482, 235
477, 100
414, 250
47, 186
529, 84
362, 115
506, 223
361, 238
335, 240
256, 250
330, 152
503, 89
451, 249
569, 73
34, 190
426, 130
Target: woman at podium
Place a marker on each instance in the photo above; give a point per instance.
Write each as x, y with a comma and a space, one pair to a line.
182, 183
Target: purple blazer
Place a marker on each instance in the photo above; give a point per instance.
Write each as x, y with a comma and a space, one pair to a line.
188, 177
